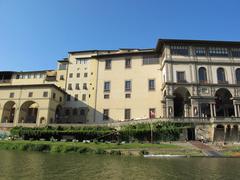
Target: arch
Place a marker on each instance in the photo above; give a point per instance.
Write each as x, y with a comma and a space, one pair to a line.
228, 133
224, 103
202, 75
219, 133
181, 102
8, 113
235, 133
221, 75
28, 112
237, 74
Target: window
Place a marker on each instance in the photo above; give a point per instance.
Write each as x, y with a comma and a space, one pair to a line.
62, 67
127, 114
127, 96
85, 86
81, 60
85, 74
202, 75
54, 95
236, 52
70, 75
82, 112
238, 75
76, 97
106, 114
18, 76
106, 96
77, 87
60, 99
179, 50
42, 75
221, 75
61, 77
216, 51
108, 64
69, 86
78, 75
151, 84
181, 77
84, 97
11, 95
150, 59
152, 113
128, 63
107, 86
68, 97
30, 94
45, 94
128, 86
75, 111
200, 51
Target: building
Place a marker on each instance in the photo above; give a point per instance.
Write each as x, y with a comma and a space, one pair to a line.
188, 81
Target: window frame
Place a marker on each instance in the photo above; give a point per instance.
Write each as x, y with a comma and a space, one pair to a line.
127, 114
128, 65
108, 64
104, 86
149, 85
106, 113
184, 77
128, 89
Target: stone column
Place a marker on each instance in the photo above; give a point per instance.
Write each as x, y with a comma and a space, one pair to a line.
225, 130
16, 116
230, 134
238, 133
214, 110
211, 110
169, 108
186, 110
1, 113
238, 109
235, 110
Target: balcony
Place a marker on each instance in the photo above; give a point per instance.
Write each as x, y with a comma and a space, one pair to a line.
5, 81
181, 81
203, 82
222, 82
51, 78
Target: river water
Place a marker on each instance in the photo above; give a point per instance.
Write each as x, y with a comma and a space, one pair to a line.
34, 166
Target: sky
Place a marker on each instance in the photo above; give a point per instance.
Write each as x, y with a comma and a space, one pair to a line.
34, 34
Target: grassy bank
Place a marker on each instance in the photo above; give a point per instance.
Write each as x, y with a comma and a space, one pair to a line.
230, 150
99, 148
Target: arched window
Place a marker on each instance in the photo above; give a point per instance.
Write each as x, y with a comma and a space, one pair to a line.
221, 75
238, 76
202, 75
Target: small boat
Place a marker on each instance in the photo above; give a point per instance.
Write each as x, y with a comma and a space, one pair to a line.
163, 156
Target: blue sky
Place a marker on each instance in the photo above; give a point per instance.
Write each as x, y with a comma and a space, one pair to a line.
34, 34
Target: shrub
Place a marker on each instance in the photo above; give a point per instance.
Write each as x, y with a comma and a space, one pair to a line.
143, 152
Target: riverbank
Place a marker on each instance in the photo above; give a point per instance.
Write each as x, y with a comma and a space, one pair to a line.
135, 149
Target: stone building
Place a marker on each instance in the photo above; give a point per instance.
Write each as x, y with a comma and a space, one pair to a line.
187, 81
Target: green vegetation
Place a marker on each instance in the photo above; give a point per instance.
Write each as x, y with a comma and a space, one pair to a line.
130, 140
161, 131
97, 148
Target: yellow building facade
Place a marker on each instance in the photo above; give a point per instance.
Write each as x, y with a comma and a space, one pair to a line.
188, 81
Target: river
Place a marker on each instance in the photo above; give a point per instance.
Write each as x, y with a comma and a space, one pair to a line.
34, 166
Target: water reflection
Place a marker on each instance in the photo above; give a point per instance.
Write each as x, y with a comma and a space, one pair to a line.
30, 165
